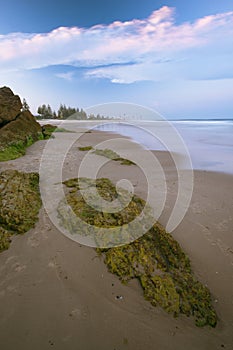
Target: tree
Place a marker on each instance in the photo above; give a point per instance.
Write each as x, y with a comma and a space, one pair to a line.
64, 112
45, 112
25, 106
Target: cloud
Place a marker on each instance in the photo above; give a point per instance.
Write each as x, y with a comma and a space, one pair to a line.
156, 44
66, 76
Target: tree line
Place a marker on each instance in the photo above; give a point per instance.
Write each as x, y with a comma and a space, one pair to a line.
64, 112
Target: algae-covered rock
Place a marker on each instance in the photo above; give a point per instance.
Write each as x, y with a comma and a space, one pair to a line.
47, 130
4, 239
91, 219
18, 129
10, 105
108, 153
17, 135
164, 272
161, 290
156, 259
19, 203
85, 148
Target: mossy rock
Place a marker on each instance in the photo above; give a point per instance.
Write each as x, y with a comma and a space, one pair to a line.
85, 148
108, 153
156, 259
19, 203
100, 191
161, 290
17, 135
49, 129
5, 239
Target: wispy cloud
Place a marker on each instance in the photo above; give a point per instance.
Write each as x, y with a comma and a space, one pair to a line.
66, 76
156, 45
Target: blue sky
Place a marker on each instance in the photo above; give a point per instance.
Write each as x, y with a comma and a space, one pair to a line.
172, 56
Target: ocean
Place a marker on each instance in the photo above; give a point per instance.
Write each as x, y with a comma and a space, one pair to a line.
208, 142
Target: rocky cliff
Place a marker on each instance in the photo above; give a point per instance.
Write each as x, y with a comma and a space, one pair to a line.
18, 129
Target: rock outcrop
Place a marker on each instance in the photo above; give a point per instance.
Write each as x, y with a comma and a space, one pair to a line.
10, 105
18, 129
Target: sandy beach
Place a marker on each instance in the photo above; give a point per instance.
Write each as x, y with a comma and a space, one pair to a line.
56, 293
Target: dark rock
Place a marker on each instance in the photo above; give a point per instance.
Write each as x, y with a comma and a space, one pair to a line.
23, 127
18, 129
47, 130
10, 105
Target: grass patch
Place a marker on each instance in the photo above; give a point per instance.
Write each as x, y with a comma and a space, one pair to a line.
86, 148
156, 259
17, 149
19, 204
13, 151
108, 153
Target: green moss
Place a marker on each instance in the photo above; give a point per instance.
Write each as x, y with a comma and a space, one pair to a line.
17, 149
13, 151
155, 259
17, 135
108, 153
86, 148
40, 136
160, 290
4, 239
19, 203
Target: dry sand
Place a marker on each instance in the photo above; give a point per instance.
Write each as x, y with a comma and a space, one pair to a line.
55, 293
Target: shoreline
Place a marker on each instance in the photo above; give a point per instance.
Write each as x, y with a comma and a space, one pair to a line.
208, 151
44, 269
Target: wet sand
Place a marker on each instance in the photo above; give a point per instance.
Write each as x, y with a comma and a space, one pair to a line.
56, 293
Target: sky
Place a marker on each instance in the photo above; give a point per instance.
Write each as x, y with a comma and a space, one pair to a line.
175, 57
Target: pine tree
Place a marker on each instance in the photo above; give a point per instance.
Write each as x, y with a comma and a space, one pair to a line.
25, 106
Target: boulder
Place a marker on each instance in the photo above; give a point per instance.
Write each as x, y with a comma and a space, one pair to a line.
23, 127
10, 105
18, 129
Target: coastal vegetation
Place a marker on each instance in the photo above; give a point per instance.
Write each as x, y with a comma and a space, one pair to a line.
17, 149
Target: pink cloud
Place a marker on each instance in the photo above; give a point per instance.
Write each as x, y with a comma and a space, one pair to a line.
119, 42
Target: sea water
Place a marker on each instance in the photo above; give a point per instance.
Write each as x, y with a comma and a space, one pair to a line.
208, 142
